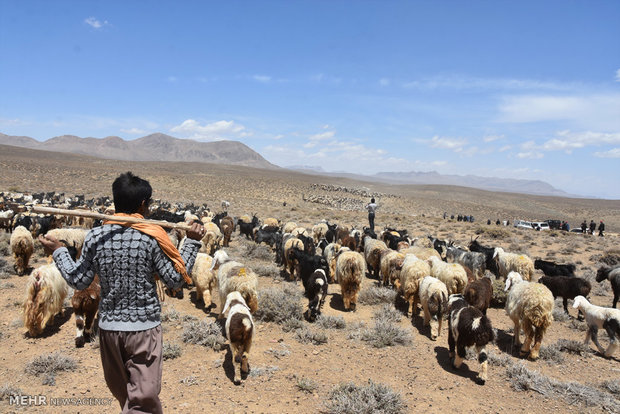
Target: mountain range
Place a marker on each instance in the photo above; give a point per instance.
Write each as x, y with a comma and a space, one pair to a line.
162, 147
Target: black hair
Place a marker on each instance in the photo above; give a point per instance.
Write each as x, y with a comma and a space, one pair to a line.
372, 200
129, 192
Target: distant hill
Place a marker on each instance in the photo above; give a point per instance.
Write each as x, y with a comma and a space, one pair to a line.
154, 147
534, 187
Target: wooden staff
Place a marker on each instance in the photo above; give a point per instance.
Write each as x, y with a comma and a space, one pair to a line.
101, 216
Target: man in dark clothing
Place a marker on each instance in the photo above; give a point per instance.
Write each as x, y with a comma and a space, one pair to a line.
584, 227
592, 227
601, 228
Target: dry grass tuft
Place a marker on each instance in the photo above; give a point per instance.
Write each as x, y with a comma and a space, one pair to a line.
47, 365
170, 351
306, 384
331, 322
6, 270
496, 233
279, 304
374, 398
498, 300
375, 295
305, 335
208, 334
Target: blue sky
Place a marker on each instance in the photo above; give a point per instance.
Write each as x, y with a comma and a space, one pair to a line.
493, 88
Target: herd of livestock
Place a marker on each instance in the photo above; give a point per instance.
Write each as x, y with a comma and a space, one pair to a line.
446, 280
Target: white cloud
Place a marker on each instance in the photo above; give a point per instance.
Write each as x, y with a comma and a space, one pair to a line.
612, 153
172, 79
532, 155
568, 141
454, 144
262, 78
214, 131
491, 138
460, 82
384, 82
505, 148
618, 75
581, 111
94, 23
133, 131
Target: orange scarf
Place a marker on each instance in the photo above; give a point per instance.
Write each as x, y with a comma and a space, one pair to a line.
160, 235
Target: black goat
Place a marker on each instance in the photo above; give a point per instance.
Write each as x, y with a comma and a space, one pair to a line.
330, 234
554, 269
307, 264
566, 287
613, 275
489, 253
392, 240
269, 237
309, 247
316, 292
248, 228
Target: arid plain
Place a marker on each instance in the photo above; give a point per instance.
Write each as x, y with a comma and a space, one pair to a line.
288, 373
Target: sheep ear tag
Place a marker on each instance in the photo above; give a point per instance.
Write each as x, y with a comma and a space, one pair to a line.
242, 272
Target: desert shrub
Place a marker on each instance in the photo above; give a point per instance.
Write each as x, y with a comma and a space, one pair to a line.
578, 325
191, 380
170, 351
498, 300
189, 318
267, 270
385, 331
292, 324
523, 379
551, 354
257, 251
279, 304
388, 313
6, 270
306, 384
47, 365
170, 315
7, 390
305, 335
349, 398
496, 233
5, 244
612, 386
7, 285
331, 322
207, 334
374, 295
558, 313
279, 353
570, 248
499, 360
611, 257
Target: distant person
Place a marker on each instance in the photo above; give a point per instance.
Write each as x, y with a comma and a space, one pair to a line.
488, 222
584, 227
452, 217
497, 222
601, 228
445, 215
372, 208
592, 227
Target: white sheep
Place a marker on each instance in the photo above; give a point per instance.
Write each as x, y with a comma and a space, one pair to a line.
598, 317
423, 253
319, 231
512, 262
212, 238
22, 246
529, 305
350, 270
452, 274
239, 331
71, 237
289, 227
204, 279
234, 276
390, 262
412, 272
434, 300
300, 230
45, 293
372, 254
329, 254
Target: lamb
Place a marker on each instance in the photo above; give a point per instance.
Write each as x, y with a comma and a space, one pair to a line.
390, 262
204, 279
512, 262
372, 254
434, 300
554, 269
350, 270
22, 246
45, 293
478, 294
566, 287
613, 275
474, 261
316, 291
239, 331
530, 305
600, 317
233, 276
211, 239
412, 271
452, 274
85, 306
468, 326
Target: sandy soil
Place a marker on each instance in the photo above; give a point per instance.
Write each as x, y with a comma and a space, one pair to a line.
200, 379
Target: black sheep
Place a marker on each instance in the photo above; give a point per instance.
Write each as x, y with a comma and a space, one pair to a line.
478, 294
613, 275
566, 287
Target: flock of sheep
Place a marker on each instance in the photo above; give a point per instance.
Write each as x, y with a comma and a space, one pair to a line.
446, 280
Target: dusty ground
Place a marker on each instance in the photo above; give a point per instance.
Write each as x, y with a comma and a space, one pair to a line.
200, 379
